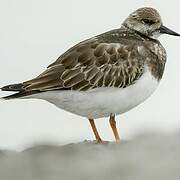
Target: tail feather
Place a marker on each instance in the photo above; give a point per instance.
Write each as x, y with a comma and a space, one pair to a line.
13, 87
21, 92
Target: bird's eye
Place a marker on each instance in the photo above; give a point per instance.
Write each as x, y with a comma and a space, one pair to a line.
148, 21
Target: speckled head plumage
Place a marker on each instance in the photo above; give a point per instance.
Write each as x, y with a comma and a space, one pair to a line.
147, 21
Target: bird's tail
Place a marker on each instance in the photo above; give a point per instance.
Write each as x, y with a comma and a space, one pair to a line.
13, 87
19, 88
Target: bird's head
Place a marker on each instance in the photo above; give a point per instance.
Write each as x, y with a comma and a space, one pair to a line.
147, 21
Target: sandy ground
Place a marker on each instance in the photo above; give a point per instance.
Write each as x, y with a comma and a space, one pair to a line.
145, 157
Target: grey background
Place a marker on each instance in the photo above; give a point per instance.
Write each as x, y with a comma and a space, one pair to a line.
145, 157
33, 33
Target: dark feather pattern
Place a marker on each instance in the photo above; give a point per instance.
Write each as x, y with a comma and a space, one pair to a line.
112, 59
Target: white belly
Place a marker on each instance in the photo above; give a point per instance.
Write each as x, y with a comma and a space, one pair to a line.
101, 102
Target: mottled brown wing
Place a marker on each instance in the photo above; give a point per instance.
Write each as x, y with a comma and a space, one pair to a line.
92, 64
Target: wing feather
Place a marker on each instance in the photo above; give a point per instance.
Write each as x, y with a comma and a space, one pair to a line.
92, 64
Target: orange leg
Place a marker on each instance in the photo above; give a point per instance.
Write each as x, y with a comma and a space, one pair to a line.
113, 126
98, 138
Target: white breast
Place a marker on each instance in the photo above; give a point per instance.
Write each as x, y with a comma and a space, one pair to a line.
101, 102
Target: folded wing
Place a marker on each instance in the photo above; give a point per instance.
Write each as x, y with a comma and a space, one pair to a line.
91, 64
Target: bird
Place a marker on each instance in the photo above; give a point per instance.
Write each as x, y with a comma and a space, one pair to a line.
106, 75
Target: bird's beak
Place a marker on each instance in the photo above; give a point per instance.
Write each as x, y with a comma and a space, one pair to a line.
165, 30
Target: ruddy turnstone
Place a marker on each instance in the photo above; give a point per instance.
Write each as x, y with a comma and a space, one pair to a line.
106, 75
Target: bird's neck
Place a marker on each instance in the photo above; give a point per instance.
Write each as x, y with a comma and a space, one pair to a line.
143, 36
